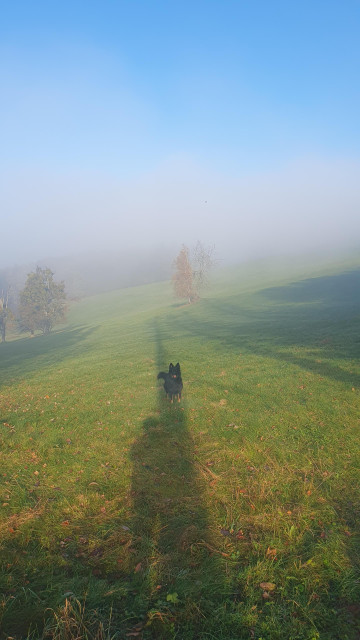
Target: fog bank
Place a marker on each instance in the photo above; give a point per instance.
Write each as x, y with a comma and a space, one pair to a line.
308, 204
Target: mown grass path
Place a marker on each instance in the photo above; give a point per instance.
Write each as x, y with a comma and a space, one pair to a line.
234, 514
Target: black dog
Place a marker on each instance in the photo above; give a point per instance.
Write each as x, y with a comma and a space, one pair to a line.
172, 381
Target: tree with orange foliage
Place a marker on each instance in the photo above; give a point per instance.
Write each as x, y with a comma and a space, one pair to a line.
183, 279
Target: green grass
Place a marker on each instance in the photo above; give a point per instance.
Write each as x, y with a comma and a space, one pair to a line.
124, 516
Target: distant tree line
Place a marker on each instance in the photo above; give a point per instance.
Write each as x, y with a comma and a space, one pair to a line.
42, 304
38, 303
90, 273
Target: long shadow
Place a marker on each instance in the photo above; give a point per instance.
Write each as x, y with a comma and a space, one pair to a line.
179, 570
338, 291
311, 324
22, 357
172, 578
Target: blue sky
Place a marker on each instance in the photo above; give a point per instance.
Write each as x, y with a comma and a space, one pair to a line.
116, 115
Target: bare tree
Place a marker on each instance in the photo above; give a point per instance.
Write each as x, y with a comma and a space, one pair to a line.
203, 260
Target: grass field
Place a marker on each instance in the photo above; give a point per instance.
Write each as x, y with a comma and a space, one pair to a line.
233, 515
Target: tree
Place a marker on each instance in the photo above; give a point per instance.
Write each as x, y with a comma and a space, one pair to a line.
42, 302
203, 260
182, 279
191, 275
5, 313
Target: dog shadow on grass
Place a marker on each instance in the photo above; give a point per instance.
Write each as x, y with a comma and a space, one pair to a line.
177, 572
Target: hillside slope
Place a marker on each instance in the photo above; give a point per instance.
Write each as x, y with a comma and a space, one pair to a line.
232, 514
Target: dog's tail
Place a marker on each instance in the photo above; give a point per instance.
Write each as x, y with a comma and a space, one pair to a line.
163, 375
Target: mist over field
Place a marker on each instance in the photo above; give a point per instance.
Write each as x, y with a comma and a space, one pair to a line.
98, 234
309, 204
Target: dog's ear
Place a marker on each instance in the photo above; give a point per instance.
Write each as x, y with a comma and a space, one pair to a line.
171, 366
177, 366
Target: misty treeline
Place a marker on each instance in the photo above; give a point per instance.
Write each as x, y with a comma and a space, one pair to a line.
31, 300
90, 273
192, 267
85, 275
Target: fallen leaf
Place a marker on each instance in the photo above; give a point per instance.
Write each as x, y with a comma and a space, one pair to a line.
138, 567
268, 586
